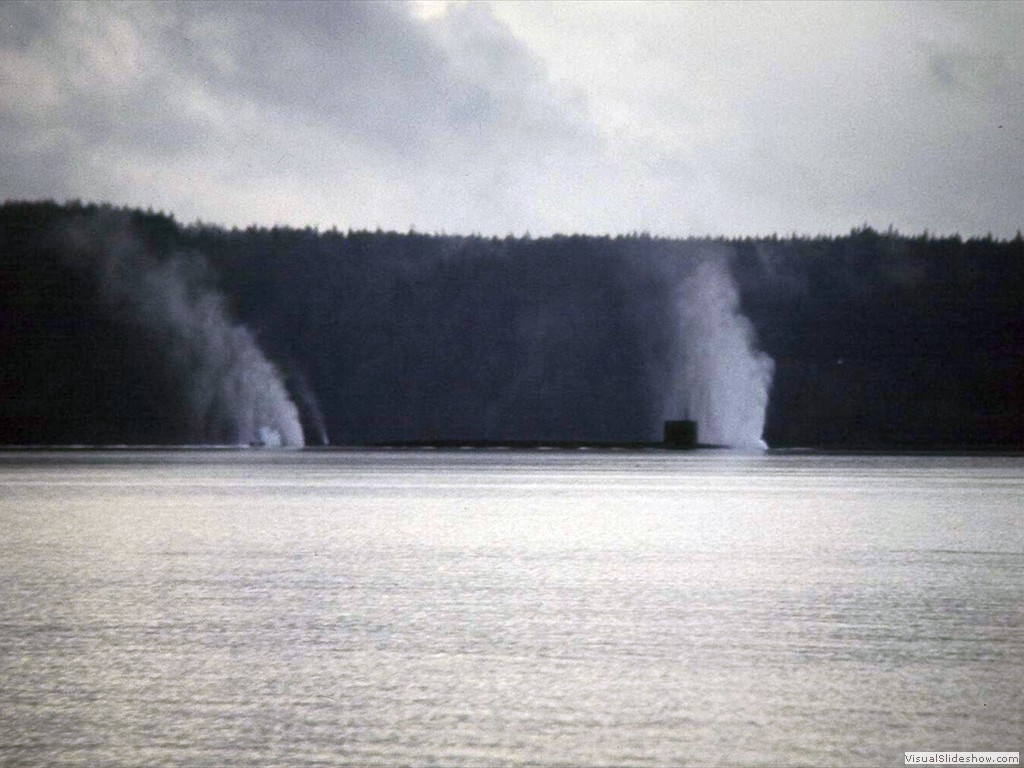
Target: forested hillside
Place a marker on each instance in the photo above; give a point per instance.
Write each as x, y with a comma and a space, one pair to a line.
121, 326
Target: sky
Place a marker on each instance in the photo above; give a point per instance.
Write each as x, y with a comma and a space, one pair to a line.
672, 118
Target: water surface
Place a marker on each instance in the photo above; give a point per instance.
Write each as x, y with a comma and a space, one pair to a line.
496, 607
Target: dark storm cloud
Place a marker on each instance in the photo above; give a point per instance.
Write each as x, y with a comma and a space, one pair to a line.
353, 66
84, 87
165, 103
676, 118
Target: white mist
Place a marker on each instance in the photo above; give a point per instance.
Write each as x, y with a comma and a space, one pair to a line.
234, 394
719, 377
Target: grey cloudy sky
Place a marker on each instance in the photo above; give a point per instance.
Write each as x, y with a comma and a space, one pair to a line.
675, 118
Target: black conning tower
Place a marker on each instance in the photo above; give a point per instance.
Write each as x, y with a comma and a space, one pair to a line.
680, 434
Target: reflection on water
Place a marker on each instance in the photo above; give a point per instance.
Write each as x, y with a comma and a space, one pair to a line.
571, 608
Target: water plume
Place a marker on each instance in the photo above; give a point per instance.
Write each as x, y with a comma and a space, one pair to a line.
233, 395
310, 406
719, 377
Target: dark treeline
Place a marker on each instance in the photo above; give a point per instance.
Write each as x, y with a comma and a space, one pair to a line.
879, 340
885, 340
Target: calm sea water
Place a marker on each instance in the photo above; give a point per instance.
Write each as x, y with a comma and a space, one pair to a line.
490, 607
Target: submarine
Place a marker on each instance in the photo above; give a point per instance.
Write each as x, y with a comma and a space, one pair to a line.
677, 435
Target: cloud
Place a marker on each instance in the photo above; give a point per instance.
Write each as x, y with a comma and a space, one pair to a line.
675, 118
349, 113
808, 117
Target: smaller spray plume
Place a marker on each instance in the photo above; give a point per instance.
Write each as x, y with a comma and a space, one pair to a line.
721, 379
299, 384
